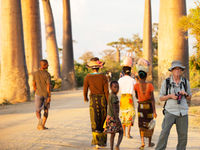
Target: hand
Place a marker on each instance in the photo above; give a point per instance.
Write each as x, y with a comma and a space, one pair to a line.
155, 115
86, 100
173, 96
183, 93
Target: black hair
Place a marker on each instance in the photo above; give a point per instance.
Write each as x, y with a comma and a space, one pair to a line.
94, 59
142, 74
96, 69
113, 82
44, 60
127, 70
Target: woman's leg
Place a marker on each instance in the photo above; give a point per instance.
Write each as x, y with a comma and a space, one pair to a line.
112, 137
120, 137
150, 143
142, 137
124, 130
129, 131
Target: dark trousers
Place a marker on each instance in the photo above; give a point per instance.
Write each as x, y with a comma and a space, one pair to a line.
181, 128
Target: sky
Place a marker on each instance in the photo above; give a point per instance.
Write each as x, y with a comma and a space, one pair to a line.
98, 22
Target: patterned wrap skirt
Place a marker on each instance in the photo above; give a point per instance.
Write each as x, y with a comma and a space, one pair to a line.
111, 126
145, 115
98, 112
127, 110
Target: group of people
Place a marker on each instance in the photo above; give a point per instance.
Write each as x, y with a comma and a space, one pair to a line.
108, 114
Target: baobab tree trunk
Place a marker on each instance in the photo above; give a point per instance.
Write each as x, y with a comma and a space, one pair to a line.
51, 43
118, 55
68, 73
172, 44
14, 82
147, 38
32, 36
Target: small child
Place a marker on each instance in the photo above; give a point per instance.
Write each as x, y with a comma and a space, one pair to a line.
113, 124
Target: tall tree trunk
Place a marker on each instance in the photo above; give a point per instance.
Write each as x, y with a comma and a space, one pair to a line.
32, 36
172, 44
13, 66
118, 55
51, 43
147, 38
68, 73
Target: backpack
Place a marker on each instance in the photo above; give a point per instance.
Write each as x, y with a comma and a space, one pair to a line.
168, 89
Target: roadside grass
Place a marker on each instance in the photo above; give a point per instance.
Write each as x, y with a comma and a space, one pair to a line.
194, 116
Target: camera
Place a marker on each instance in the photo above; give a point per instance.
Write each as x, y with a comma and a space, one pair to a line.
179, 97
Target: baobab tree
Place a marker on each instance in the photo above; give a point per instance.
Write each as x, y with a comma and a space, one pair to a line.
32, 36
172, 44
51, 43
119, 46
147, 38
68, 74
14, 83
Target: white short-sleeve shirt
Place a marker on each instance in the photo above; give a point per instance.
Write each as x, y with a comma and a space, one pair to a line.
126, 84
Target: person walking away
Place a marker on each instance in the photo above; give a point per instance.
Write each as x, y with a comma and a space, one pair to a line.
41, 86
146, 107
97, 83
175, 92
127, 110
113, 123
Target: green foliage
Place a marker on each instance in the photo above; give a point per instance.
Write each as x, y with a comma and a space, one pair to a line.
80, 71
194, 71
192, 23
55, 84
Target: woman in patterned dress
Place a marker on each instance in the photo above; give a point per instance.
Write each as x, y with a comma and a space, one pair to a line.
146, 107
127, 110
98, 85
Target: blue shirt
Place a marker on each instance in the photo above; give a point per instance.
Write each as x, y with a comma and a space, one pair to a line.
171, 105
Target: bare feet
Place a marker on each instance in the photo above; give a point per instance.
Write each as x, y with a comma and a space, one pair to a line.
117, 148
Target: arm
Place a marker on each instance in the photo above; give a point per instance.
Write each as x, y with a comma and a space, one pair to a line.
105, 88
49, 88
188, 94
163, 96
85, 89
153, 104
34, 86
34, 83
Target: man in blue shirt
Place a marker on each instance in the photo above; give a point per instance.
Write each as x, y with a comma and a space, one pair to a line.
175, 91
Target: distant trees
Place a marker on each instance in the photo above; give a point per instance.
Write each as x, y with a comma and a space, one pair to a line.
86, 57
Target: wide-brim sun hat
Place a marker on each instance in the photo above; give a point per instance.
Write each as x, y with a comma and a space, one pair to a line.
176, 64
95, 64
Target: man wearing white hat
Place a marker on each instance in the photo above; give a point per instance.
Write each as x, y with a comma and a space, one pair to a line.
175, 92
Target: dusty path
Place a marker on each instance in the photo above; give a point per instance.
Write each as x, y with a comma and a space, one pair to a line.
69, 127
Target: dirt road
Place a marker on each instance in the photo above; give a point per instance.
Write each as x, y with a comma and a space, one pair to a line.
69, 127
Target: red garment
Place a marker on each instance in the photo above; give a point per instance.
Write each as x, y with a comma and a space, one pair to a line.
143, 95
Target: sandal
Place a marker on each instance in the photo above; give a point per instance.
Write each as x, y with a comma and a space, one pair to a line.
130, 137
142, 147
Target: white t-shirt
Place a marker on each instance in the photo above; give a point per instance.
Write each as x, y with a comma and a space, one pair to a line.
126, 84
